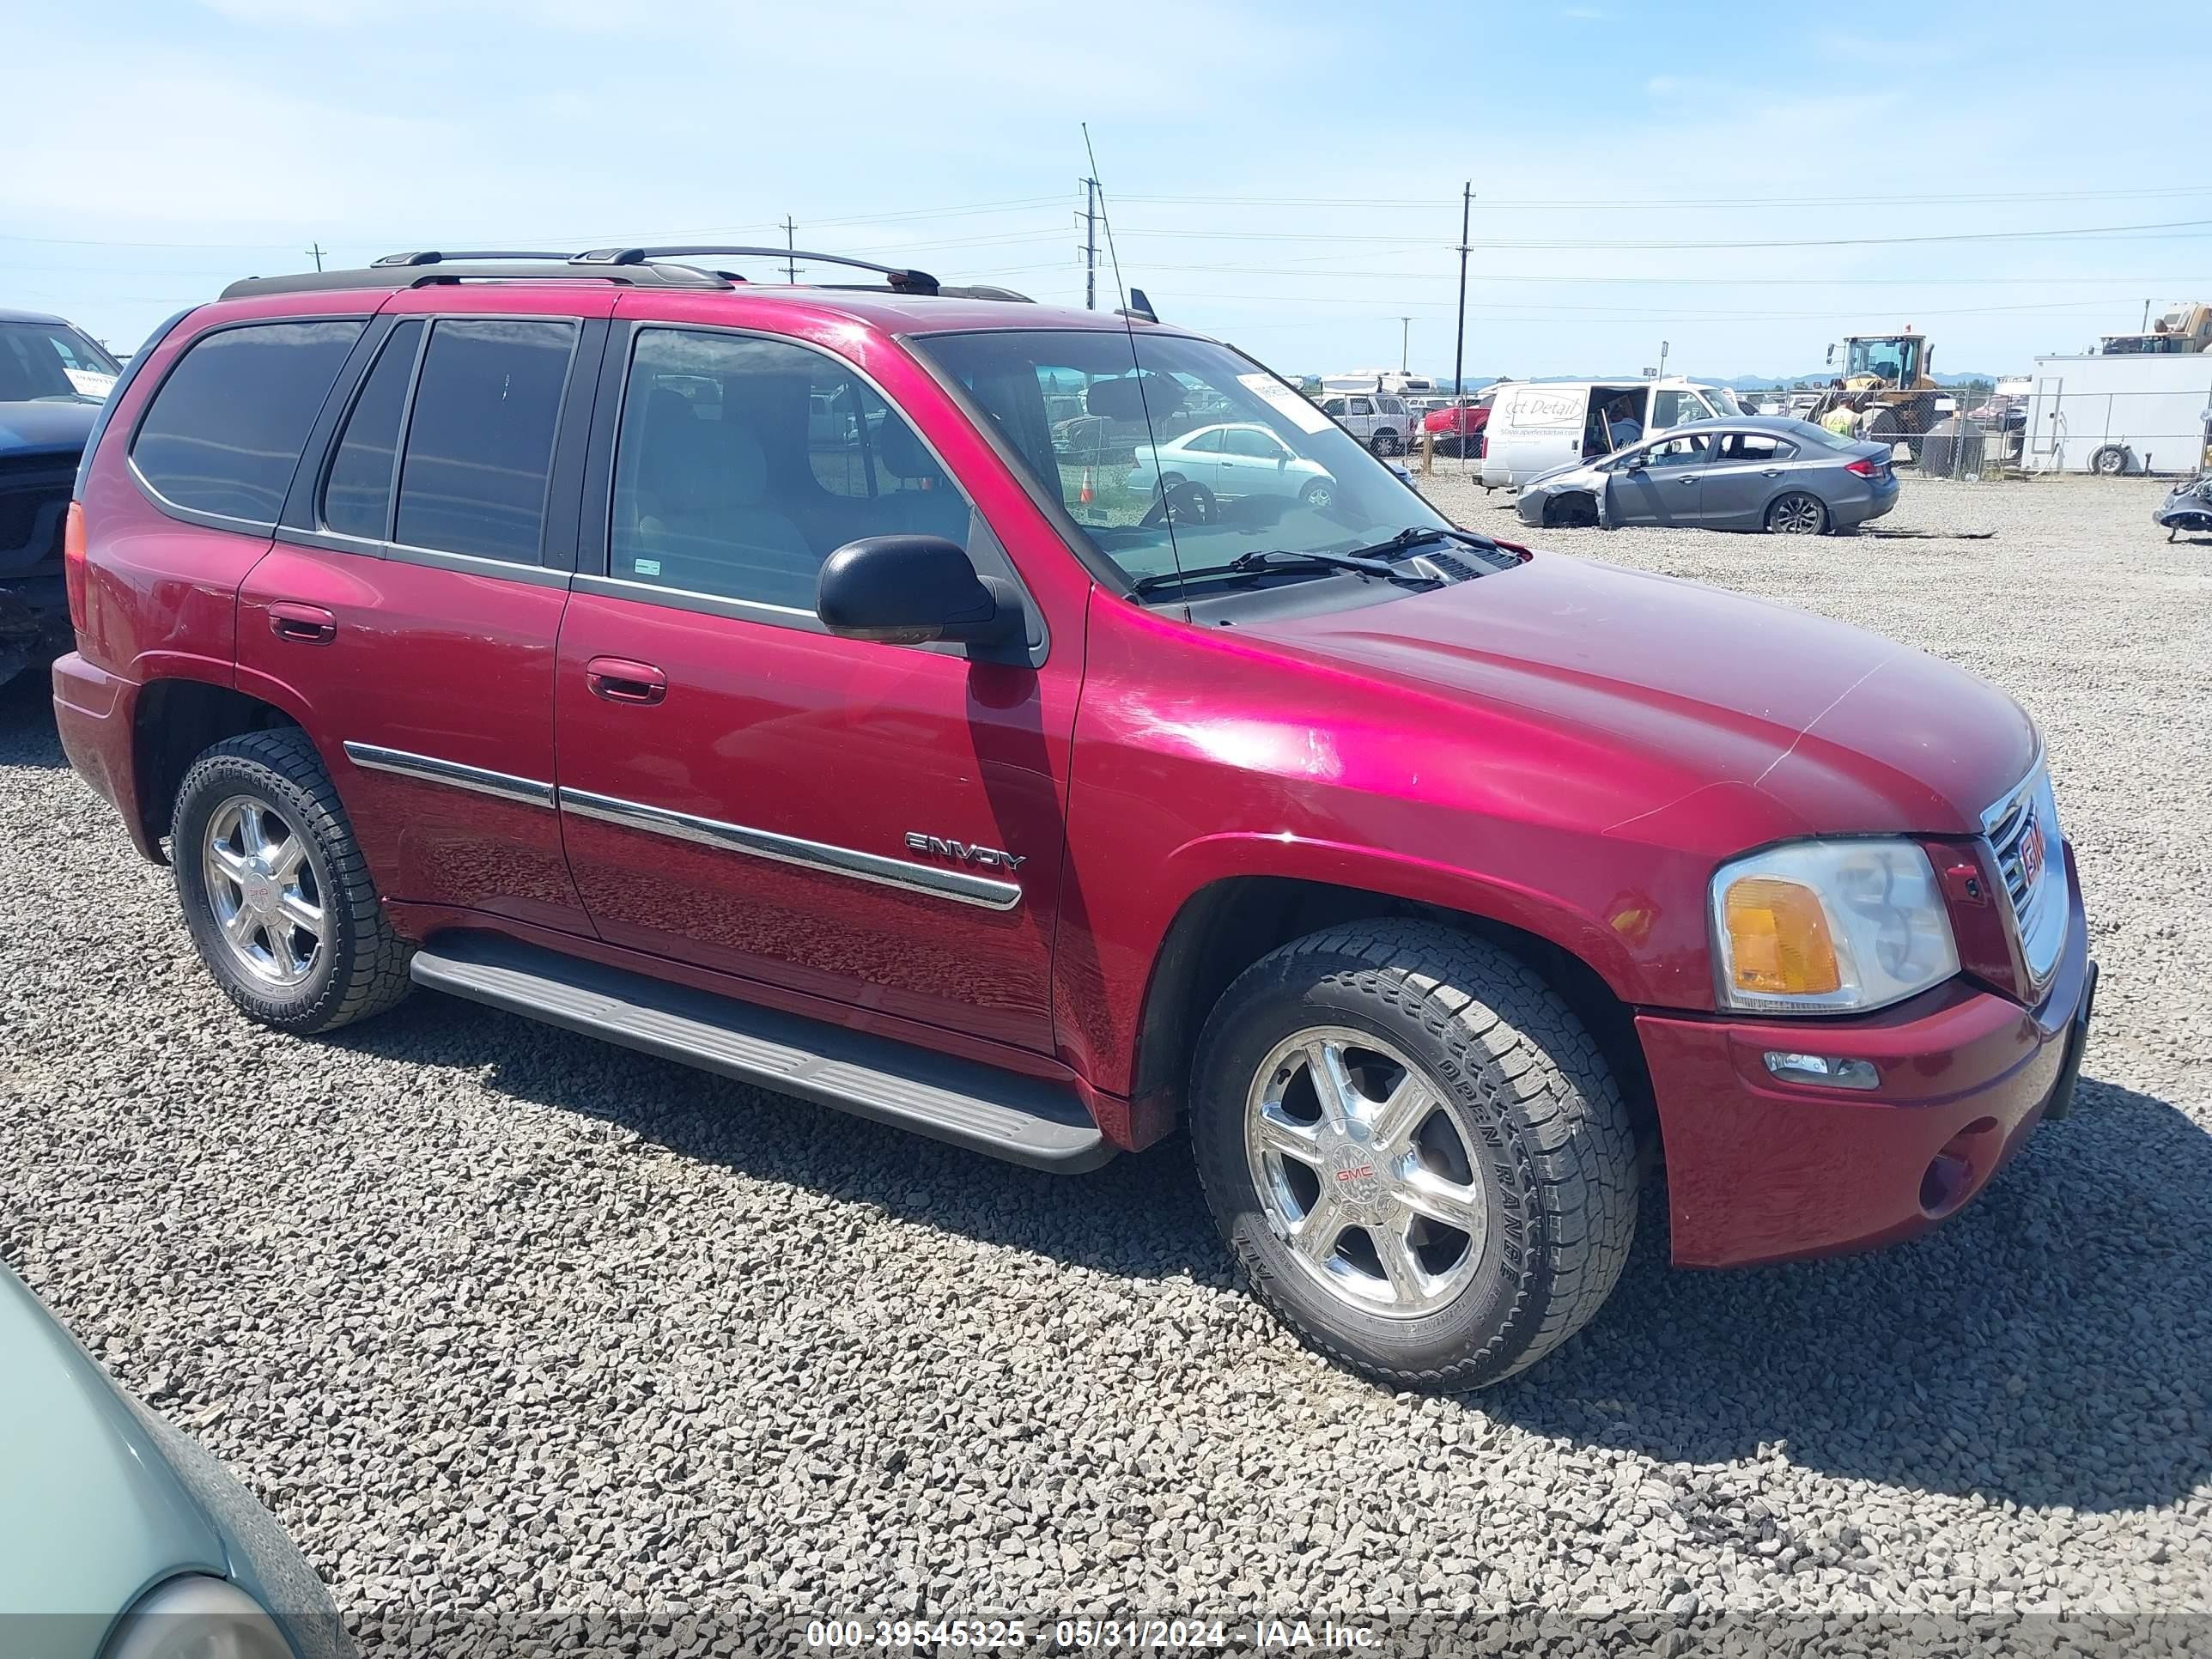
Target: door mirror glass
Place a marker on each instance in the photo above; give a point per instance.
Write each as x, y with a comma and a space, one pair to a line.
914, 590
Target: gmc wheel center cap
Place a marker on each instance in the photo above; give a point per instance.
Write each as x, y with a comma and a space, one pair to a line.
1355, 1178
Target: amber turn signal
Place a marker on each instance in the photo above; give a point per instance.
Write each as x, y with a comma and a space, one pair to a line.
1778, 938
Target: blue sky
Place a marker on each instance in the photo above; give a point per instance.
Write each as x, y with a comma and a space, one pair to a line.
1283, 173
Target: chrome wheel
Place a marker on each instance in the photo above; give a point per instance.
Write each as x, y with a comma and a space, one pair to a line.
261, 887
1365, 1168
1797, 515
1318, 495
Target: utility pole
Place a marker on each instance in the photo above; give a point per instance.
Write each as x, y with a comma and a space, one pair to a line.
1459, 350
1405, 345
317, 250
1089, 243
790, 247
2146, 327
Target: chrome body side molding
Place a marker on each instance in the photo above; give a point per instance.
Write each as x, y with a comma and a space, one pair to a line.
428, 768
958, 885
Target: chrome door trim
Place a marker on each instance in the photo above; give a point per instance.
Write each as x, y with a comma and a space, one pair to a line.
428, 768
955, 884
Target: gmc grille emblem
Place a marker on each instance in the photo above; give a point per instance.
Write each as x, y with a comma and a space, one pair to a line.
2031, 854
964, 851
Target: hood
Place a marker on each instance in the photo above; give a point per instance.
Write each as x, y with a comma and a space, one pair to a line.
94, 1514
1559, 472
1840, 730
45, 429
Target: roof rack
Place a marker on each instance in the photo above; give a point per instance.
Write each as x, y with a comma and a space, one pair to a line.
900, 280
643, 267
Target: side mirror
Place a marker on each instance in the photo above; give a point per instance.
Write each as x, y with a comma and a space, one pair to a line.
1639, 461
914, 590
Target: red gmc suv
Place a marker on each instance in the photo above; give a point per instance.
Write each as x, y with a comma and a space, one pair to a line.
743, 673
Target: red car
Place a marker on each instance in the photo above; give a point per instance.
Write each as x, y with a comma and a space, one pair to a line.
1458, 427
523, 627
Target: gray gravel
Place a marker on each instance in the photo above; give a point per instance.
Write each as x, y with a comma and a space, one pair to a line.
495, 1318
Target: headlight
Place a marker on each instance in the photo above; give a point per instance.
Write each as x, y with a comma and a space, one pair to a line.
1825, 927
196, 1617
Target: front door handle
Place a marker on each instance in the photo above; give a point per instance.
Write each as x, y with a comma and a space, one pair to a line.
617, 679
307, 625
1693, 478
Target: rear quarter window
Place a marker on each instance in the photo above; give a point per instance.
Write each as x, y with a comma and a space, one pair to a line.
225, 430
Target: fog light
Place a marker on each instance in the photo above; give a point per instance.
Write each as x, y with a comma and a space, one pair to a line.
1828, 1069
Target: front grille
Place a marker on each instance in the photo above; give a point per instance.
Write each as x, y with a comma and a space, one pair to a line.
34, 493
2023, 833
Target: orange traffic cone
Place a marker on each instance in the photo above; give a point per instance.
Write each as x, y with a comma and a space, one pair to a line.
1089, 494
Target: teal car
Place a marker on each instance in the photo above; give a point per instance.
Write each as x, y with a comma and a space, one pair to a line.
120, 1537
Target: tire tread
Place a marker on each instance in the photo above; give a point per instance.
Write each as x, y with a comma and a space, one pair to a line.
1560, 1099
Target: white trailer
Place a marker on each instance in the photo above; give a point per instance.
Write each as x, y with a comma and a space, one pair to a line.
2124, 413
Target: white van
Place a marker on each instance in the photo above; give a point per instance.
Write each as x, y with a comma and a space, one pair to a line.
1536, 425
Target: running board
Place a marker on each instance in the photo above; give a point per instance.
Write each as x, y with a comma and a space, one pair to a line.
1024, 1120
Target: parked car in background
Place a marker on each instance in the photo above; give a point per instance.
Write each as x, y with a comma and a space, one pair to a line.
54, 380
1457, 428
1231, 461
434, 638
1378, 419
1538, 425
121, 1539
1757, 472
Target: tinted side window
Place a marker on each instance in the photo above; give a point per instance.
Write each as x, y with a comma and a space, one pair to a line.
226, 427
358, 496
1251, 441
742, 463
1755, 446
480, 442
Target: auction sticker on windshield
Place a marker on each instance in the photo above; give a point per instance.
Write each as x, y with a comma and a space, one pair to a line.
1301, 410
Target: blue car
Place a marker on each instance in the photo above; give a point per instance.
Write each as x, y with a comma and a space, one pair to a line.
120, 1537
53, 383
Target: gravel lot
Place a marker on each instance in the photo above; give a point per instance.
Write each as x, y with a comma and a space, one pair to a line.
498, 1319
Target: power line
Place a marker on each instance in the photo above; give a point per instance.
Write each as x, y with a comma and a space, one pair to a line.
2190, 227
1580, 203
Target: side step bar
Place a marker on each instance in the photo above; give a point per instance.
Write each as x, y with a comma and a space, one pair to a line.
1024, 1120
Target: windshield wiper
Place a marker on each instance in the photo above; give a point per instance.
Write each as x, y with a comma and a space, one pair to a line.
1414, 535
1264, 560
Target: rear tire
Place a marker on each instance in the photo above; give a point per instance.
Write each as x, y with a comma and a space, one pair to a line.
1384, 443
276, 890
1797, 514
1492, 1110
2109, 461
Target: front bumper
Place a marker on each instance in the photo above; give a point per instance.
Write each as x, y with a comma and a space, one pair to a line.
1759, 1170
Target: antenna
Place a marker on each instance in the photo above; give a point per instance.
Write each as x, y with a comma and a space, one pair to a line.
1129, 325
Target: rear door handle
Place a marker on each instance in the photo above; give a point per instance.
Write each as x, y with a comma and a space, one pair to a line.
1772, 472
307, 624
617, 679
1693, 478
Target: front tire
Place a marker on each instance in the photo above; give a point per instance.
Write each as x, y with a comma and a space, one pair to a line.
276, 890
2109, 461
1416, 1151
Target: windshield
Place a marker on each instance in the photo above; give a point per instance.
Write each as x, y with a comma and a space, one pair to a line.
1885, 360
1724, 402
51, 362
1201, 458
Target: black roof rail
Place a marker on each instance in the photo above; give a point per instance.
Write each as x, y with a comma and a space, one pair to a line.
642, 267
382, 275
901, 280
434, 258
